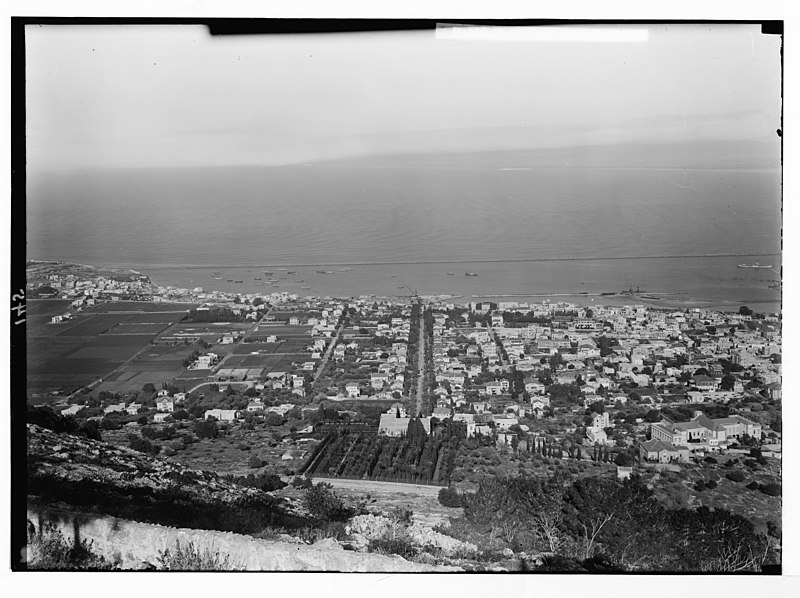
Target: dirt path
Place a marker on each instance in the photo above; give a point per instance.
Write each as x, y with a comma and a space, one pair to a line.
372, 486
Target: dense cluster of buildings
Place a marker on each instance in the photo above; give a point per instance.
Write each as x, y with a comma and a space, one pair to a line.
498, 364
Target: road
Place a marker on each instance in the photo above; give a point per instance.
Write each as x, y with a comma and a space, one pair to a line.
328, 351
372, 486
245, 384
421, 362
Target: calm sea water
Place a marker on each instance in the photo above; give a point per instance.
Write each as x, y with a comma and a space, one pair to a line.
385, 216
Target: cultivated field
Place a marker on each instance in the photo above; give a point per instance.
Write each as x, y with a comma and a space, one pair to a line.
66, 356
162, 363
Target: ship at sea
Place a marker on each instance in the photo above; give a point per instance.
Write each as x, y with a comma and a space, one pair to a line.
470, 274
755, 265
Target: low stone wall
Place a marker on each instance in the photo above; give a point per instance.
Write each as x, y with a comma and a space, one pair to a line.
138, 544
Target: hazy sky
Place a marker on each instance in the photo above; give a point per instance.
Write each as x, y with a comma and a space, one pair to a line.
175, 96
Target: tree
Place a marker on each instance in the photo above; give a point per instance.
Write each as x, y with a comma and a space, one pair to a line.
597, 407
149, 388
652, 416
273, 419
624, 460
745, 311
449, 497
206, 428
736, 476
323, 504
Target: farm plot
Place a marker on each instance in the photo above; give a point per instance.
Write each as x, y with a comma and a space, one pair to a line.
47, 307
261, 348
142, 306
128, 328
69, 363
283, 362
93, 325
156, 318
161, 363
217, 328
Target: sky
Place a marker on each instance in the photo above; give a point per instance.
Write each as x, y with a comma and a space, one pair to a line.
174, 96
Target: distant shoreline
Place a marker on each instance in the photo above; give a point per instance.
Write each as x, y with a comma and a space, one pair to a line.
427, 262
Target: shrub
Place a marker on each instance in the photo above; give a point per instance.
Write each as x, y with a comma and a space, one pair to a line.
273, 419
110, 424
189, 558
300, 482
700, 486
623, 460
771, 489
254, 462
399, 546
753, 485
206, 428
323, 503
48, 550
137, 443
711, 484
90, 429
449, 497
711, 460
736, 476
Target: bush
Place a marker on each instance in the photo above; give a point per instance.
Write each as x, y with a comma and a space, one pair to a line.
399, 546
736, 476
137, 443
700, 486
90, 429
110, 424
323, 504
48, 550
753, 485
254, 462
206, 428
711, 484
300, 482
449, 497
771, 489
623, 460
711, 460
189, 558
273, 419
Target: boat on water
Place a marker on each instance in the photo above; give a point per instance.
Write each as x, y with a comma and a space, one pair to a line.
755, 265
230, 279
305, 288
267, 273
451, 273
238, 281
292, 272
470, 274
345, 269
324, 271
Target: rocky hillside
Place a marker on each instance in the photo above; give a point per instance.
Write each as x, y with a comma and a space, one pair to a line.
123, 482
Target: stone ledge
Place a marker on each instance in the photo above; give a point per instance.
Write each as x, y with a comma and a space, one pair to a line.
138, 544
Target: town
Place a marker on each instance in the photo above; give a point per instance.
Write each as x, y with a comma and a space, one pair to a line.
344, 388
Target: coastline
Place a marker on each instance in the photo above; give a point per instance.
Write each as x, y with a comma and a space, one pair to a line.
435, 283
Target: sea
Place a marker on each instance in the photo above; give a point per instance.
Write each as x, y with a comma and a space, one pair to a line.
570, 224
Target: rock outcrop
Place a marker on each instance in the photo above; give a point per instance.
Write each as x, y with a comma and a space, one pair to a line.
137, 545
